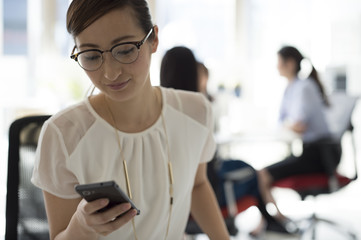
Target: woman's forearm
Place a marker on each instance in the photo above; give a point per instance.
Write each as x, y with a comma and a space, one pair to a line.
298, 127
205, 210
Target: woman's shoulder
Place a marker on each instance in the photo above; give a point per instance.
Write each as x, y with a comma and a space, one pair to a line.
177, 93
184, 99
193, 104
74, 117
307, 85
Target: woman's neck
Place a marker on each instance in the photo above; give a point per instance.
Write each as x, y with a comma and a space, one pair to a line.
134, 115
291, 78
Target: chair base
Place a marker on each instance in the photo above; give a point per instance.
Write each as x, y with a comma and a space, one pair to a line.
194, 229
314, 220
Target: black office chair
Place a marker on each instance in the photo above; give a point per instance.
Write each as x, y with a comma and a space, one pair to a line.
25, 212
339, 116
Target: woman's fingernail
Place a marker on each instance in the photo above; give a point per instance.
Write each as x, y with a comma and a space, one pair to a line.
134, 212
126, 206
104, 202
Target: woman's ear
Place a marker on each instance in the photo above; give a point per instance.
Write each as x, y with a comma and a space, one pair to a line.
155, 41
291, 65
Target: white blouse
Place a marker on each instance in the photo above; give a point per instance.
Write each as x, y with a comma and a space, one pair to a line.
77, 146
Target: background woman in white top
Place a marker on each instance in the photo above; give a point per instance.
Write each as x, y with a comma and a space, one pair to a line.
129, 125
302, 111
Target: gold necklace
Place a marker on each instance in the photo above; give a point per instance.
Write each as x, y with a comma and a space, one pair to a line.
170, 170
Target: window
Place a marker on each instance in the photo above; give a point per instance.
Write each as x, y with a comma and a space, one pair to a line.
15, 27
206, 27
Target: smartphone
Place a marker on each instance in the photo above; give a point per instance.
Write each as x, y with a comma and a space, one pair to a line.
109, 190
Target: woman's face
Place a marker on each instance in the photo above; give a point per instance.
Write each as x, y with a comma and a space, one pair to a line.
202, 81
286, 68
116, 80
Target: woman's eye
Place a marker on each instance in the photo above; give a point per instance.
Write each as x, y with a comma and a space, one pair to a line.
91, 57
124, 50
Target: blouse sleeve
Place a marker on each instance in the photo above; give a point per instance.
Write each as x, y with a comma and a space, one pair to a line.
209, 148
307, 103
50, 171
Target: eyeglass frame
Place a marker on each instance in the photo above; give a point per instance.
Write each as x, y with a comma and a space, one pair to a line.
136, 44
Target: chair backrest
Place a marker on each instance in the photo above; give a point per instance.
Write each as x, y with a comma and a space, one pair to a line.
339, 117
339, 113
25, 211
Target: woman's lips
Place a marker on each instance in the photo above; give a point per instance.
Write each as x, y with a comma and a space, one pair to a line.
118, 86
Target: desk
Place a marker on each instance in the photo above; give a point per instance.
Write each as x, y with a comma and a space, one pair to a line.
282, 135
267, 146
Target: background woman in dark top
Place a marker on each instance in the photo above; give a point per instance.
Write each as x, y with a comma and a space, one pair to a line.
179, 70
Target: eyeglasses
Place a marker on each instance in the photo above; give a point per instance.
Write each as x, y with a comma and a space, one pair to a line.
126, 52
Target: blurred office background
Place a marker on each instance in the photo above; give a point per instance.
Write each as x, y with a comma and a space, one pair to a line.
236, 39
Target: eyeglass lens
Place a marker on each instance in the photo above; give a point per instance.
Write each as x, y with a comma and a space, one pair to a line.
124, 53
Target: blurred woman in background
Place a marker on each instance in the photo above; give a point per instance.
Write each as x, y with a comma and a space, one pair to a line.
180, 70
302, 111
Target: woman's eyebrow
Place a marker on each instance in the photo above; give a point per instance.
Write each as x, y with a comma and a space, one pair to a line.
115, 41
90, 45
120, 39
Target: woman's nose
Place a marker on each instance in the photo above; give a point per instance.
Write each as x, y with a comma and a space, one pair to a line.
111, 67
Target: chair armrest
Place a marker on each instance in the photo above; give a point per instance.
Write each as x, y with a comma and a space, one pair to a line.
333, 183
230, 198
238, 175
330, 156
242, 175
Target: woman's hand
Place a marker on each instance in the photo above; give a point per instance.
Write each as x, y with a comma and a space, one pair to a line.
105, 222
299, 127
78, 219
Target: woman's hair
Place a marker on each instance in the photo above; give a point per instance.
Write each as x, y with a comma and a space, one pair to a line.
291, 53
179, 69
82, 13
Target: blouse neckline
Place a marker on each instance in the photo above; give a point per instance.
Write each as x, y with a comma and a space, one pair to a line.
156, 124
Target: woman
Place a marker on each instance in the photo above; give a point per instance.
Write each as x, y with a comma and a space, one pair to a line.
302, 111
180, 70
141, 136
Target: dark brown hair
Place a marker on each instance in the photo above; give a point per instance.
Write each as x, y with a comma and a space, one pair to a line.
179, 69
82, 13
289, 52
